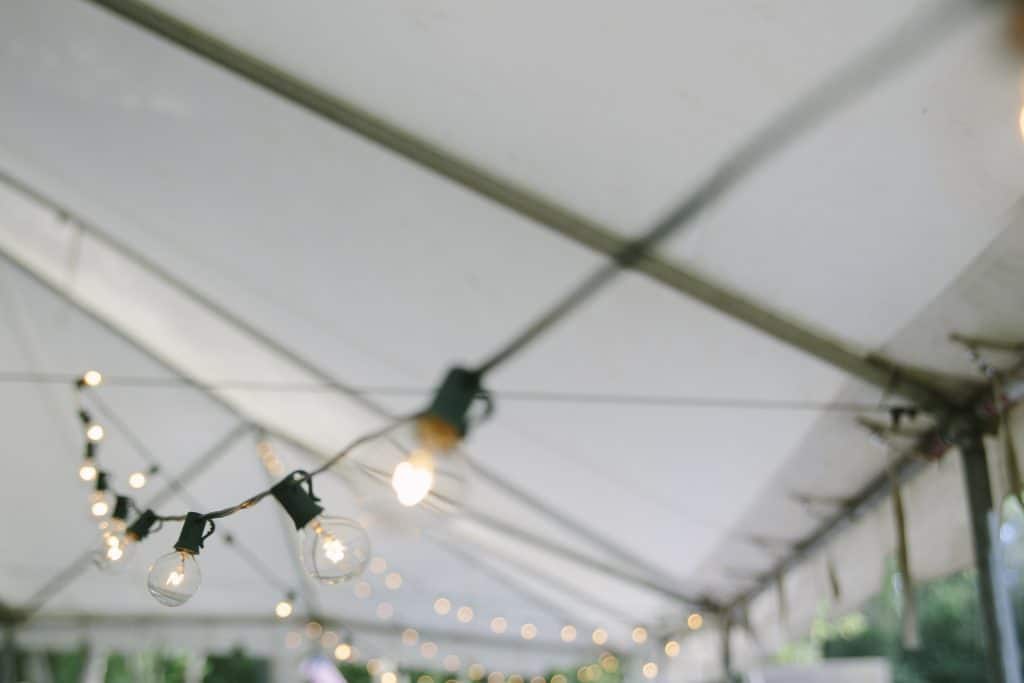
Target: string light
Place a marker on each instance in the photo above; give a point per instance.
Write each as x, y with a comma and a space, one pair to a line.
373, 667
568, 633
410, 637
92, 378
343, 652
499, 624
559, 678
672, 648
464, 614
388, 677
88, 470
137, 480
284, 608
650, 670
451, 663
695, 621
393, 581
495, 677
475, 671
314, 629
115, 543
425, 678
329, 639
442, 606
417, 461
639, 635
428, 649
175, 577
378, 565
599, 636
101, 499
94, 432
334, 549
609, 662
528, 631
385, 610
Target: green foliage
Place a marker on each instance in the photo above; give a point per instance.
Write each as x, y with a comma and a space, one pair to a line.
355, 673
235, 667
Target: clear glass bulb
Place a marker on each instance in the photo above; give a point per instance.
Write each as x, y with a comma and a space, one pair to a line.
411, 474
137, 480
333, 549
174, 578
88, 471
101, 504
116, 548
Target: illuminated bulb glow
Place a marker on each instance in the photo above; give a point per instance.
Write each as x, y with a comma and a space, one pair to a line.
568, 633
92, 378
137, 480
499, 624
333, 549
695, 621
650, 670
99, 508
600, 636
283, 609
176, 577
343, 652
639, 634
87, 472
413, 478
528, 631
94, 432
672, 648
114, 553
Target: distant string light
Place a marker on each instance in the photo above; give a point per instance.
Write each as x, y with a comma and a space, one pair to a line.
695, 621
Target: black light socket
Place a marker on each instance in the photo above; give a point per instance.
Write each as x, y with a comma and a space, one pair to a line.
140, 527
299, 503
121, 508
192, 534
101, 482
454, 398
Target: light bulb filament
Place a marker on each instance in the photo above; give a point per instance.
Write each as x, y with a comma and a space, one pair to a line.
176, 577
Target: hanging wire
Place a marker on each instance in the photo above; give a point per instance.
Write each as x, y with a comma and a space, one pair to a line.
567, 397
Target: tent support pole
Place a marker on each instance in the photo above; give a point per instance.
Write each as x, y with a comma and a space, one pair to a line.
9, 668
979, 503
726, 635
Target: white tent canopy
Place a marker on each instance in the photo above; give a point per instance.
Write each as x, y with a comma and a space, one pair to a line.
225, 257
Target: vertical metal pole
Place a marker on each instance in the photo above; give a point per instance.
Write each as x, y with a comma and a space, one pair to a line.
979, 504
9, 666
1004, 606
726, 632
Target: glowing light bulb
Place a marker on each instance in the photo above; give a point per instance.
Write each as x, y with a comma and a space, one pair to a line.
116, 545
94, 432
88, 471
174, 578
568, 633
283, 609
695, 621
92, 378
343, 652
99, 504
639, 635
413, 478
672, 648
417, 463
137, 480
650, 670
334, 549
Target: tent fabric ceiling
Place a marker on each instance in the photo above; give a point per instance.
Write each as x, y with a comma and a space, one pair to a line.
891, 225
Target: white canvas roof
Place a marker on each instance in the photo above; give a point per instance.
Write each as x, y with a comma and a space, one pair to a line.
223, 235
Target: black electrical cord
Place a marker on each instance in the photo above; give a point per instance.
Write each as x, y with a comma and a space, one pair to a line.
526, 395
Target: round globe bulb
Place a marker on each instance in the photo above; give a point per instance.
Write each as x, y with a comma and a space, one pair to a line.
92, 378
137, 480
412, 475
174, 578
116, 548
100, 504
283, 609
88, 471
94, 432
334, 549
